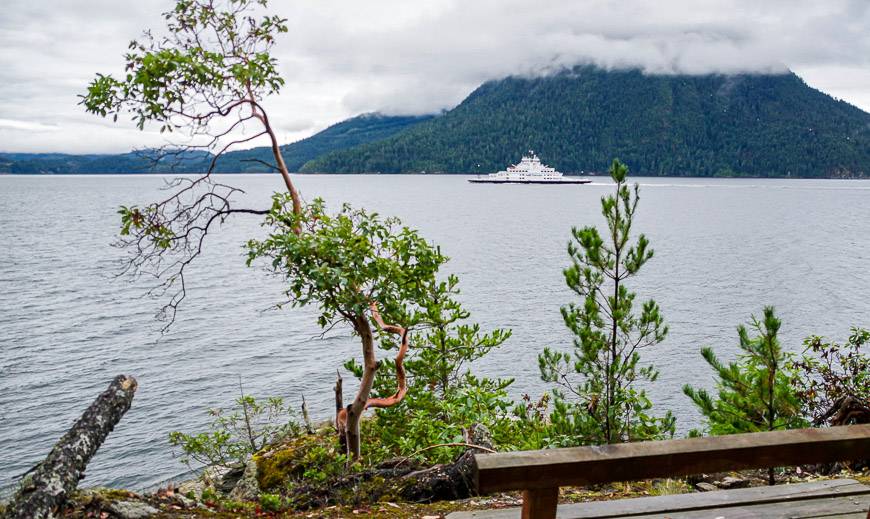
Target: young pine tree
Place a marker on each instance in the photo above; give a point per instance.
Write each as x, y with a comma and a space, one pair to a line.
754, 393
444, 351
607, 406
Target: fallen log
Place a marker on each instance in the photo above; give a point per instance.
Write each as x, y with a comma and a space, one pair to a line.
848, 410
45, 488
402, 479
448, 481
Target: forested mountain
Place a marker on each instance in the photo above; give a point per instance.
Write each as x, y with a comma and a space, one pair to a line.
348, 133
51, 163
578, 120
351, 132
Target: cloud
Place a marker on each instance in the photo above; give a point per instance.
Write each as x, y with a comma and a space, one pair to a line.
432, 60
341, 58
297, 125
27, 126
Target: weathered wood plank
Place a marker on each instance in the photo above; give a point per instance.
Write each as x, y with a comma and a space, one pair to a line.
540, 503
699, 501
850, 506
581, 466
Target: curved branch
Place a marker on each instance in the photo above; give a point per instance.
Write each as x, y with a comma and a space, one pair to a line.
188, 222
258, 112
450, 444
401, 379
263, 162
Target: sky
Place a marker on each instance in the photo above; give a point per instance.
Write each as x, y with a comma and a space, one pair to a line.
345, 57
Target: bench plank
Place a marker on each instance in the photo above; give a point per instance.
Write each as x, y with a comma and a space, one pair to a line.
728, 502
581, 466
855, 506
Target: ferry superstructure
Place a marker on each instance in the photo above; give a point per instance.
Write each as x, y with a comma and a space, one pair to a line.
530, 170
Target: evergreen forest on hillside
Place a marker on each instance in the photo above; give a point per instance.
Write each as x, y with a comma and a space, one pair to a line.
743, 125
668, 125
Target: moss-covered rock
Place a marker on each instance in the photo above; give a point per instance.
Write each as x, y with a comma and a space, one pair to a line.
101, 497
312, 459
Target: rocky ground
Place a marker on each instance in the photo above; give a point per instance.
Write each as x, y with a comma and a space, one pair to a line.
193, 500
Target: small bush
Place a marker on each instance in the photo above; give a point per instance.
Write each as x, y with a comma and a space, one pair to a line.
237, 433
828, 373
271, 502
431, 428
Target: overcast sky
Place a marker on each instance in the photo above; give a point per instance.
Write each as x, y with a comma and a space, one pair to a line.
342, 58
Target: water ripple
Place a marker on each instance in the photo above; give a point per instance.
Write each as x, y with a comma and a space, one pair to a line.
723, 248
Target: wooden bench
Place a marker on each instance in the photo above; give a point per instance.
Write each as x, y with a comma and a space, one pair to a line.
539, 474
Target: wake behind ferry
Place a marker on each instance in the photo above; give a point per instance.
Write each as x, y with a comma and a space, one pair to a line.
530, 170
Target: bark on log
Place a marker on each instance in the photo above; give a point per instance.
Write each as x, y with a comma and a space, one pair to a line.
45, 489
848, 410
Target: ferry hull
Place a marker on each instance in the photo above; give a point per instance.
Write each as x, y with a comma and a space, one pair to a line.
505, 181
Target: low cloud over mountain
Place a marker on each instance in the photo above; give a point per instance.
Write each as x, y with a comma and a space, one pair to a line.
342, 58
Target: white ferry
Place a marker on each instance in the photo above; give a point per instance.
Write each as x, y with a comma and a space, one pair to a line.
530, 170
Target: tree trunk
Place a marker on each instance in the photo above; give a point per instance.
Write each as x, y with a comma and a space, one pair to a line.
356, 408
45, 489
285, 173
347, 419
260, 114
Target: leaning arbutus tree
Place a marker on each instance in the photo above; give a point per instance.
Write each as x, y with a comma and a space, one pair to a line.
205, 81
359, 270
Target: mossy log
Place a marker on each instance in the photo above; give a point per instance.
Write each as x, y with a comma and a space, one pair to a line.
403, 480
46, 487
447, 481
397, 479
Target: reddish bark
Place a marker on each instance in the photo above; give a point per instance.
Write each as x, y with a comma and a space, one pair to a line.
401, 380
258, 112
347, 418
370, 366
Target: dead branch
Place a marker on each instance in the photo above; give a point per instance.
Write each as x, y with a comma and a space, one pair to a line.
305, 417
263, 162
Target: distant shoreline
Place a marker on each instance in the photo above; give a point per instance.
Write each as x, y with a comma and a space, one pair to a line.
593, 176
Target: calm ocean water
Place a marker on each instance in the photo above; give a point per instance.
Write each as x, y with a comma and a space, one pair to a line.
724, 248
